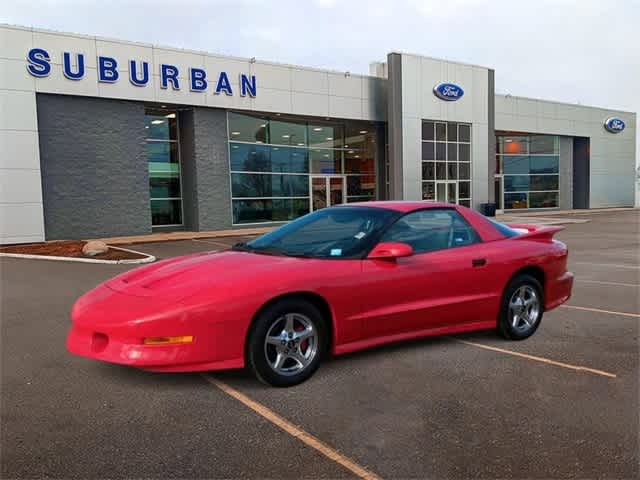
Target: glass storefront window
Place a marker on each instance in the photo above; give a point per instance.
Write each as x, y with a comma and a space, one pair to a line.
272, 159
541, 144
163, 160
287, 133
267, 158
161, 126
361, 186
247, 128
325, 136
325, 161
447, 160
530, 169
269, 185
428, 151
269, 210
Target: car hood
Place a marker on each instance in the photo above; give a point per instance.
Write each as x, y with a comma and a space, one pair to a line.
180, 277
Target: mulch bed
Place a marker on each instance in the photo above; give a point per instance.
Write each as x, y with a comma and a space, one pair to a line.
68, 248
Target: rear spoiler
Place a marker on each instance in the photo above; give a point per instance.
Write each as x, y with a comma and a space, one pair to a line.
535, 232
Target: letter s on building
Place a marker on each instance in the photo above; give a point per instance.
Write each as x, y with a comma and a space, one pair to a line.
39, 65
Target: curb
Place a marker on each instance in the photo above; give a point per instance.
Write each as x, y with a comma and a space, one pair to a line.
128, 261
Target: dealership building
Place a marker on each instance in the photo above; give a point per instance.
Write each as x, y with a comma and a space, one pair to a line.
102, 138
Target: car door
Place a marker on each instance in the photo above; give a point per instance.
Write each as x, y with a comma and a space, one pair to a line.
445, 283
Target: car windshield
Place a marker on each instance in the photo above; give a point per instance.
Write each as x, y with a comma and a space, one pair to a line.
338, 232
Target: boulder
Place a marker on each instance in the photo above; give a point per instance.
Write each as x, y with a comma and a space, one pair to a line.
94, 247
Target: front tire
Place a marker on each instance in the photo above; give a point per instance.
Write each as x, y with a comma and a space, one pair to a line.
286, 342
522, 308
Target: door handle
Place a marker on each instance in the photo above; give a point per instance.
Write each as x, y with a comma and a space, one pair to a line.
479, 262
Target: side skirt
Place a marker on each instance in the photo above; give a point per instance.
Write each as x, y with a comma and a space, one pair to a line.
398, 337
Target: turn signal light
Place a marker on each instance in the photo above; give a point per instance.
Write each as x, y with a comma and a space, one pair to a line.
168, 340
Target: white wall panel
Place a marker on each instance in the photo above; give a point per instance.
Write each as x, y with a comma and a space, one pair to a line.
21, 223
345, 107
309, 81
18, 110
310, 104
56, 82
14, 75
19, 149
343, 86
57, 43
15, 42
20, 186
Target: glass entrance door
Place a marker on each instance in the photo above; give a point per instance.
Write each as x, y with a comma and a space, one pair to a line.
327, 190
447, 191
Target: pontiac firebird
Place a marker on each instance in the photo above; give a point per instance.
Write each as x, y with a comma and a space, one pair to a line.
334, 281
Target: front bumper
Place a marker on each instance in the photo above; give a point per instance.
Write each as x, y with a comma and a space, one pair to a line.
111, 326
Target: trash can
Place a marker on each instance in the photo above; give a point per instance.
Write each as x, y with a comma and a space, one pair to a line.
488, 209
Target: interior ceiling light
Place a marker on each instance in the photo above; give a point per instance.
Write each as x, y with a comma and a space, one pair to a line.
329, 138
301, 144
317, 129
363, 131
235, 133
171, 115
350, 151
157, 122
285, 136
263, 125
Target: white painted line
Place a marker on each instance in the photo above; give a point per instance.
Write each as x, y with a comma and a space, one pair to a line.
597, 310
614, 265
618, 284
293, 430
537, 359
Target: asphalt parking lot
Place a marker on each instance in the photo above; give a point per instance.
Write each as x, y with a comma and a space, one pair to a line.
563, 404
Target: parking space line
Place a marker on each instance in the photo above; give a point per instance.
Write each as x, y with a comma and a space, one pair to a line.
615, 265
618, 284
292, 430
597, 310
537, 359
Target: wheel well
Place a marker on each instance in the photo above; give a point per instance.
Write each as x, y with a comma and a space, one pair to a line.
535, 272
313, 298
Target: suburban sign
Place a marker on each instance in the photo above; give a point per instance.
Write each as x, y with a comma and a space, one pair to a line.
108, 71
448, 91
614, 125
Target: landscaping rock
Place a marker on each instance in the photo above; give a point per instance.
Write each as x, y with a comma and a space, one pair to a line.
94, 247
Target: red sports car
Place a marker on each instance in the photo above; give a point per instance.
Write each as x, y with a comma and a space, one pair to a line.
337, 280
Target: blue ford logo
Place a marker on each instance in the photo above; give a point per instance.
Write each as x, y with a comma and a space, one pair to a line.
448, 91
614, 125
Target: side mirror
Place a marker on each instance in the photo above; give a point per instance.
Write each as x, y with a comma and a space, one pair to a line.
391, 250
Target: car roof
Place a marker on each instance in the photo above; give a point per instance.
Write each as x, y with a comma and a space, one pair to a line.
401, 205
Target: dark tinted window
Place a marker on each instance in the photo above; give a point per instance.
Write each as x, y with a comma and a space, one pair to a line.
504, 229
339, 232
432, 229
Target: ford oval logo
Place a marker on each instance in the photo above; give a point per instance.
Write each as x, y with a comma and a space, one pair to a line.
448, 91
614, 125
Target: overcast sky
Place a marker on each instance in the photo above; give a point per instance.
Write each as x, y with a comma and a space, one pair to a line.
583, 51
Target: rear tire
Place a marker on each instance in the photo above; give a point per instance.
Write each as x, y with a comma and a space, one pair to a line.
522, 308
286, 342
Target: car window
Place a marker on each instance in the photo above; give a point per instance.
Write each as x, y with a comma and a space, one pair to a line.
337, 232
432, 229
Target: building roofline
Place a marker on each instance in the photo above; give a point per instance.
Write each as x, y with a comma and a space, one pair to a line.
440, 59
184, 50
558, 102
